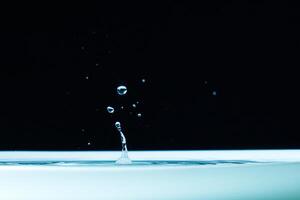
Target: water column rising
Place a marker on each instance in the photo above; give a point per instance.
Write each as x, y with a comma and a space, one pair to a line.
124, 159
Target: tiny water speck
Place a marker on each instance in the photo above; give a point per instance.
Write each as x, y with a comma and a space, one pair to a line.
214, 93
122, 90
139, 114
110, 109
144, 80
134, 105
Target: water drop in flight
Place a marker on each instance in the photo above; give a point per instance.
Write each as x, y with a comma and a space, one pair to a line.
110, 109
122, 90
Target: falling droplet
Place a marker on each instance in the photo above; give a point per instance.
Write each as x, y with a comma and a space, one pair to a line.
86, 77
110, 109
122, 107
137, 102
88, 143
118, 125
122, 90
139, 114
214, 93
134, 105
144, 80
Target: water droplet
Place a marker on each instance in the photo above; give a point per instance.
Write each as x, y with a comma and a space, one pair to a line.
214, 93
133, 105
139, 114
122, 107
110, 109
144, 80
86, 77
137, 102
122, 90
88, 143
118, 124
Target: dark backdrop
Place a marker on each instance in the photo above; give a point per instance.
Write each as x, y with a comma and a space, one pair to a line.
219, 75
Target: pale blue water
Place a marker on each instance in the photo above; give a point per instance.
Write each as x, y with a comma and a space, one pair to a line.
112, 163
153, 175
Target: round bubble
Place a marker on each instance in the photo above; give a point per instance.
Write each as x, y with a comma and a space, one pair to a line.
110, 109
122, 90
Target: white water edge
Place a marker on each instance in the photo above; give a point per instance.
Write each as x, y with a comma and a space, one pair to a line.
274, 174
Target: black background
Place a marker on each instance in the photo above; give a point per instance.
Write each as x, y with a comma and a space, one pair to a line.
245, 51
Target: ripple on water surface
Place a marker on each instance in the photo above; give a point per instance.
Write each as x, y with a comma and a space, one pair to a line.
111, 163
